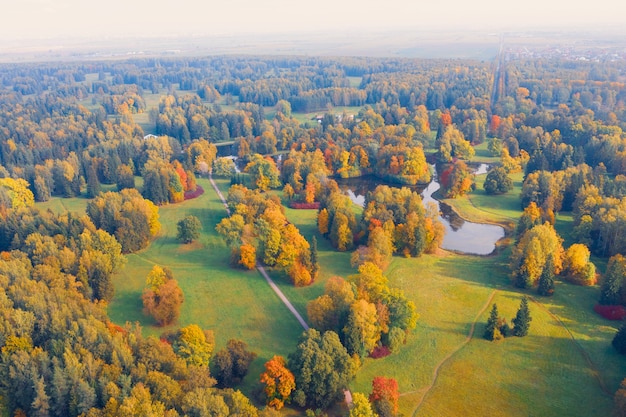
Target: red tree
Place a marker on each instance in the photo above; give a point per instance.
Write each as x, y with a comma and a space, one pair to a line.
385, 395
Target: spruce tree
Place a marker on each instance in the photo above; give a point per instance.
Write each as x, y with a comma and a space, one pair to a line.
521, 322
546, 280
315, 264
492, 332
619, 341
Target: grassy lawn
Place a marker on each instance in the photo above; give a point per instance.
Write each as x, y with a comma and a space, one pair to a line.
234, 303
480, 207
483, 155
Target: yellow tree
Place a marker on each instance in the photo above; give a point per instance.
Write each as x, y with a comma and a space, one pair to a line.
362, 332
577, 268
322, 222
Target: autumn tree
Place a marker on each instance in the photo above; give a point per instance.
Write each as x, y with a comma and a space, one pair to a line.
362, 331
521, 322
456, 180
361, 406
200, 155
125, 177
246, 256
194, 345
19, 195
224, 167
577, 268
379, 250
279, 382
188, 229
132, 219
162, 296
384, 397
530, 254
263, 172
619, 400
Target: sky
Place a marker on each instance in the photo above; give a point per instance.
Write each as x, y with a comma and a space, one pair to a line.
36, 19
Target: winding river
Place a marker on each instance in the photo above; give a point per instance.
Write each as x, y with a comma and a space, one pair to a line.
461, 235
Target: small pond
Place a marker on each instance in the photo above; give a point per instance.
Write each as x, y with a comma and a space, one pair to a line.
461, 235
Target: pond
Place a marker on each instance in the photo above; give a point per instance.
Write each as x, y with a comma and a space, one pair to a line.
461, 235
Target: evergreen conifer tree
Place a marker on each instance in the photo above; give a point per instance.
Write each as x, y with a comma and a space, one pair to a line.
546, 280
315, 264
492, 332
619, 341
521, 322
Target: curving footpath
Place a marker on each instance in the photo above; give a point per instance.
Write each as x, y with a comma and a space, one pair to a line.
442, 362
260, 268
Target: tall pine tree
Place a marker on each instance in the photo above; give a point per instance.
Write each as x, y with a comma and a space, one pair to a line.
546, 280
619, 340
521, 322
315, 264
492, 332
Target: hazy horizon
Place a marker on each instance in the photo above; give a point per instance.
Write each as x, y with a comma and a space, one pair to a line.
79, 19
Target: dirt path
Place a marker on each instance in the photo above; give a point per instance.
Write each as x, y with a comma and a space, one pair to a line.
583, 352
260, 268
442, 362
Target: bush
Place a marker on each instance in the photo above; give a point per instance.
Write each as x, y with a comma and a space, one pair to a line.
305, 206
195, 193
380, 352
610, 312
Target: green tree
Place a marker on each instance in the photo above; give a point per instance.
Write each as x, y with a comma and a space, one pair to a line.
492, 332
546, 280
619, 340
231, 363
322, 367
521, 322
611, 289
497, 182
188, 229
315, 263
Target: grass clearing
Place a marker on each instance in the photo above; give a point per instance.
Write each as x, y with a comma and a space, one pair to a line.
234, 303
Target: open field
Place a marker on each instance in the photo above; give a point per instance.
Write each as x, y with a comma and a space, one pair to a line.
233, 303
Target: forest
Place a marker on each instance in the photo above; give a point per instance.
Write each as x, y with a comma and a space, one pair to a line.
129, 288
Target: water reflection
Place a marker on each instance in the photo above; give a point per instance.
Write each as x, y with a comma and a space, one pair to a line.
461, 235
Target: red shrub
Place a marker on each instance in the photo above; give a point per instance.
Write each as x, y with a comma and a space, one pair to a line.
612, 312
193, 194
380, 352
305, 206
